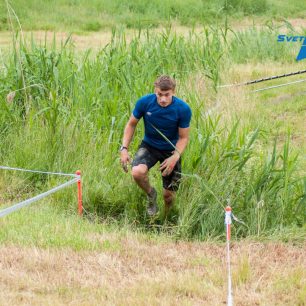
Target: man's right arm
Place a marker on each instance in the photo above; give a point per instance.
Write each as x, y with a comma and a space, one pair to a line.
129, 131
127, 138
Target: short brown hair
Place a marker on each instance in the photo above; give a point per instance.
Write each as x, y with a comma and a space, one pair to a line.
165, 82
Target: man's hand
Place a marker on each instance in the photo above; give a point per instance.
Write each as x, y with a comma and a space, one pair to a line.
169, 163
124, 159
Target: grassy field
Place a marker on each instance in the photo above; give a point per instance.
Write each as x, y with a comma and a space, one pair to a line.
81, 126
63, 106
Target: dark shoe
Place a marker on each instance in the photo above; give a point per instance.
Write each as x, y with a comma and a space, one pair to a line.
152, 204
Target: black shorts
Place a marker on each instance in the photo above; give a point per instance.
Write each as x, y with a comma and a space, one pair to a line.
150, 156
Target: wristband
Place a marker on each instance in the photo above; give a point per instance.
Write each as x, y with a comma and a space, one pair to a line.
123, 148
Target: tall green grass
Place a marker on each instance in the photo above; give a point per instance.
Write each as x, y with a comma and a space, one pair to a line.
81, 15
260, 45
69, 113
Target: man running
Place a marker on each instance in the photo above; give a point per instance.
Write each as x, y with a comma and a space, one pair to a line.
166, 120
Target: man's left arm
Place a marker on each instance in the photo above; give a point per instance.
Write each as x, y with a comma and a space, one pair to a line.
168, 165
183, 130
182, 142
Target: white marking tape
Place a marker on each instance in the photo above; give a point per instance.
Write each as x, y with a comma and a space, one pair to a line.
36, 171
228, 222
211, 110
280, 85
17, 206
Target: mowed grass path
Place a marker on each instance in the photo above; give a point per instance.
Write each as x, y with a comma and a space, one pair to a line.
145, 272
49, 257
99, 39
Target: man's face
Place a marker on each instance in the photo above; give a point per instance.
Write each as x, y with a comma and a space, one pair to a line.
164, 97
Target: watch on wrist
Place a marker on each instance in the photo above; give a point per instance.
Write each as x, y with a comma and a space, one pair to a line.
123, 148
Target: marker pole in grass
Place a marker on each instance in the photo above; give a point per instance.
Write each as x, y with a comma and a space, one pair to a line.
228, 222
80, 201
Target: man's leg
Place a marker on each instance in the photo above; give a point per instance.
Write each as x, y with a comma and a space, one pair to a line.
141, 177
169, 197
170, 186
143, 161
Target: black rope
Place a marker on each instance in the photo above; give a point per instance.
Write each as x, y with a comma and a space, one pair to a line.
266, 79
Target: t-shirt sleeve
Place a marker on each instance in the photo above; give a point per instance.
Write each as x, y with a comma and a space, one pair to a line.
139, 109
185, 117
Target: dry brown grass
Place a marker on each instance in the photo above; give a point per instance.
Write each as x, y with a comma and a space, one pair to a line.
93, 40
97, 40
143, 272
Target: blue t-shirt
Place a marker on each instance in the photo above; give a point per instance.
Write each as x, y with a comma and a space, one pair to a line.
166, 119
